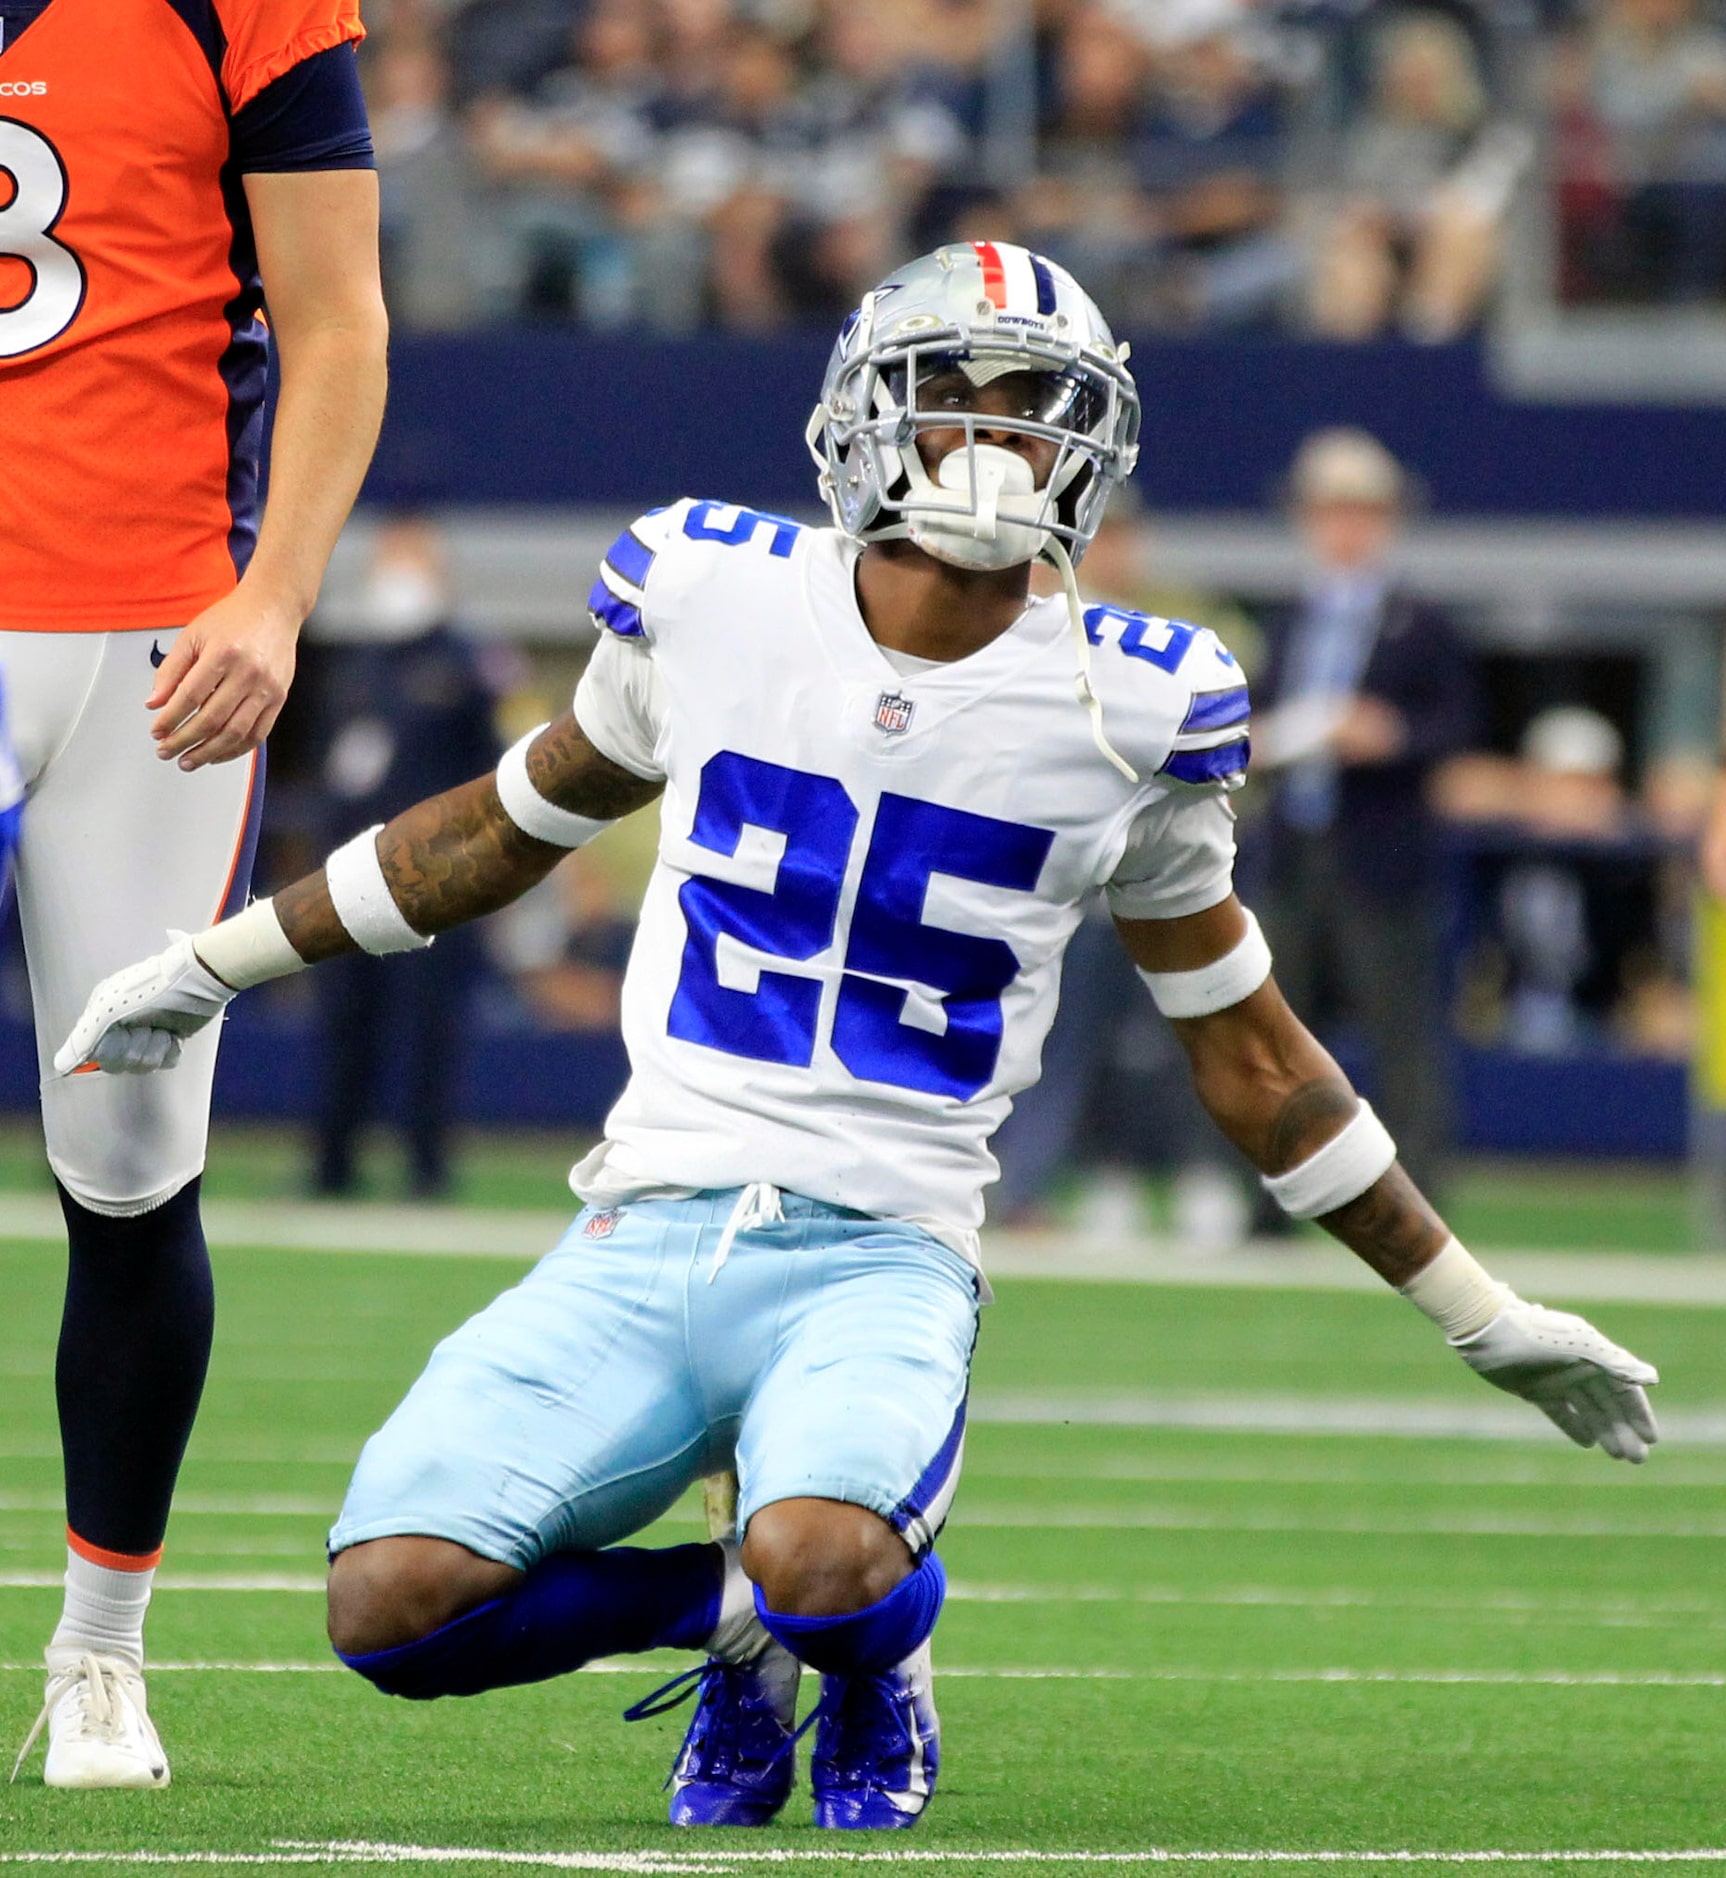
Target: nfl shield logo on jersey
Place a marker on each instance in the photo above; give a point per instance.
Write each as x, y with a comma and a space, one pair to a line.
893, 713
603, 1225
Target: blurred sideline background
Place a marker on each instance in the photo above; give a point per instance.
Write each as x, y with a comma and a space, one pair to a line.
618, 239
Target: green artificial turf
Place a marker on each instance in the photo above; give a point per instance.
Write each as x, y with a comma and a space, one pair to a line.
1490, 1202
1160, 1638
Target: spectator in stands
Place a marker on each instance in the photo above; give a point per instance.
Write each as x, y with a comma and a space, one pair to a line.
1085, 205
574, 216
730, 166
1650, 78
402, 713
1364, 692
1427, 179
877, 136
427, 228
1211, 157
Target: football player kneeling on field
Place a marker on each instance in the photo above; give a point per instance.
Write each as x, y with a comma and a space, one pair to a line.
891, 783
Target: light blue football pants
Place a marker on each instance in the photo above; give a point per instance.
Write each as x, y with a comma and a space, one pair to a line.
827, 1356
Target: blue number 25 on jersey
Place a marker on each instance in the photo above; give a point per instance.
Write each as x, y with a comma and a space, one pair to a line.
890, 950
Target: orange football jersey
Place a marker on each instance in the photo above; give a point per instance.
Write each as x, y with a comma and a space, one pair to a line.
132, 346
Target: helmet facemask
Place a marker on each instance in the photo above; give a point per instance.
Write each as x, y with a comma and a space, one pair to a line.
968, 309
980, 507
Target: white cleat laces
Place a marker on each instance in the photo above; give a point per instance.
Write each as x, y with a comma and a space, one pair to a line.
99, 1728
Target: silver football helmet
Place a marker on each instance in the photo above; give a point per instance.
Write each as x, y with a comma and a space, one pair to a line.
913, 358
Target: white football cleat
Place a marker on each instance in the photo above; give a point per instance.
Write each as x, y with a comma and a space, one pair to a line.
99, 1728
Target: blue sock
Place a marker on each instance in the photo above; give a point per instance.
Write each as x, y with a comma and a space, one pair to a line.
570, 1608
865, 1642
134, 1344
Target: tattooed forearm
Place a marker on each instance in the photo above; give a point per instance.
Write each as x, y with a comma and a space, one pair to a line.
1306, 1120
459, 855
567, 770
447, 860
1390, 1226
1279, 1097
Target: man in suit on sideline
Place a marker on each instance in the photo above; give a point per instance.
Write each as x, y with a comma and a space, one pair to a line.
1365, 691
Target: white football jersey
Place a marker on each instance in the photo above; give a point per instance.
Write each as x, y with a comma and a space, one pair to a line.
850, 950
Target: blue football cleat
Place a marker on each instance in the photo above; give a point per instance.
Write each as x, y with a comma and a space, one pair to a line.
877, 1747
737, 1760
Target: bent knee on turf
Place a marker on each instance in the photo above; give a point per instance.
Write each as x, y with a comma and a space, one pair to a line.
823, 1558
384, 1593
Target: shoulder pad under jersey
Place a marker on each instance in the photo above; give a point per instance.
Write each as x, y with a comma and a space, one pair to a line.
1174, 700
670, 551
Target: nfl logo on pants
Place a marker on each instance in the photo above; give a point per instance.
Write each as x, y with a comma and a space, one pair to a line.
893, 713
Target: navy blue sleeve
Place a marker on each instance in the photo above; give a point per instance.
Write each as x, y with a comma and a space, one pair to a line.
311, 118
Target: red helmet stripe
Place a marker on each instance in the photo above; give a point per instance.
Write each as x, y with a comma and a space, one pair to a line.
994, 273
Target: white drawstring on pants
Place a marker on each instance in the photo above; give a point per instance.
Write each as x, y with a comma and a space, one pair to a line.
757, 1205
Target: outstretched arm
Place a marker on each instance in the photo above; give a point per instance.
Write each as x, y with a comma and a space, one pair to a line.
1278, 1095
461, 855
444, 861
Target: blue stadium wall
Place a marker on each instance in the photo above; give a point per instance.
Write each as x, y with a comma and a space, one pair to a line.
558, 418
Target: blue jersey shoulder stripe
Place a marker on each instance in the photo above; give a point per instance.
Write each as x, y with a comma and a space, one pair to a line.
1216, 710
1213, 765
631, 556
615, 615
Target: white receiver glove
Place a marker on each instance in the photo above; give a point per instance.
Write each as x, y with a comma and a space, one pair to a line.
135, 1018
1589, 1386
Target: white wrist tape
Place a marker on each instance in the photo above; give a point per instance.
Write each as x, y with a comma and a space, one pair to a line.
1214, 987
1342, 1170
530, 811
363, 901
248, 949
1457, 1292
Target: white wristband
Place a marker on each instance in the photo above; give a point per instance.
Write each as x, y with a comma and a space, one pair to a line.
248, 949
363, 901
1342, 1170
1214, 987
1457, 1292
530, 811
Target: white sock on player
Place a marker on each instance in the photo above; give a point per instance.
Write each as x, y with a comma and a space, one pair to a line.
740, 1637
103, 1613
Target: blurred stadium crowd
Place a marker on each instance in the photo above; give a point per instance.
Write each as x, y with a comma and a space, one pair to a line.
1339, 167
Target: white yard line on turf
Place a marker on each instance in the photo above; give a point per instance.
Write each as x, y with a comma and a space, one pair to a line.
477, 1232
1159, 1519
1180, 1519
1661, 1613
296, 1852
180, 1581
1676, 1612
1408, 1416
251, 1505
1494, 1678
1057, 1517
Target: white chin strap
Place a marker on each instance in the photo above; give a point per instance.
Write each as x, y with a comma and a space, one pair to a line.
1002, 530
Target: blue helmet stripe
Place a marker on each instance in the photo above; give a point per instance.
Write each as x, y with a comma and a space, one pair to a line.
1216, 710
631, 556
1214, 765
1045, 284
616, 615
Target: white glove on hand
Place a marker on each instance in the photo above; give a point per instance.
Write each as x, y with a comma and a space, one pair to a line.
1590, 1387
134, 1019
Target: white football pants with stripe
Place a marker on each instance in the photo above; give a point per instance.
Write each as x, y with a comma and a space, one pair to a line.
116, 847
